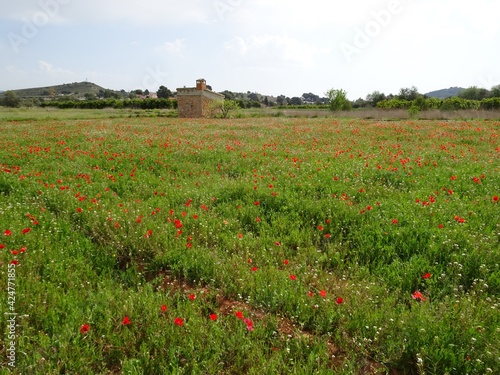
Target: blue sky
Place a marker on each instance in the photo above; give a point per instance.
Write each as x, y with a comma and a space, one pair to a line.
272, 47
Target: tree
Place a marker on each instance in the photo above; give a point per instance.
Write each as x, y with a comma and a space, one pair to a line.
407, 93
473, 93
164, 92
495, 92
375, 97
223, 107
10, 99
295, 101
337, 100
281, 100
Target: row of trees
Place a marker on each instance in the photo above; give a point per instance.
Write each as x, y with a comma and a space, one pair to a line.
113, 103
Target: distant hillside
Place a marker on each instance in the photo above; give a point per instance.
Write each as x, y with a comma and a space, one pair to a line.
76, 89
445, 93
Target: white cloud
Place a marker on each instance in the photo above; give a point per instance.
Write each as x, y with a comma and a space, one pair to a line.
174, 48
50, 69
272, 50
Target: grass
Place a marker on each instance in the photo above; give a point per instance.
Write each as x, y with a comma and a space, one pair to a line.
307, 239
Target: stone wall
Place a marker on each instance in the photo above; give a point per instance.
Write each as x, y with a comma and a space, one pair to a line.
193, 103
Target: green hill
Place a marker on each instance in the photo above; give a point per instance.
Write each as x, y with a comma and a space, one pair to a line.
445, 93
76, 90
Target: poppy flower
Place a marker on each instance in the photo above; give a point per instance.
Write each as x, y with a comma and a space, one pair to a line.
320, 227
339, 300
322, 293
254, 269
395, 221
285, 262
239, 315
179, 322
2, 246
418, 296
256, 203
213, 317
426, 275
126, 321
192, 297
495, 198
163, 308
7, 232
84, 328
249, 324
177, 223
15, 262
293, 277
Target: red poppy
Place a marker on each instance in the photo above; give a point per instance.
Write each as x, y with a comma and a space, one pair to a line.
440, 226
213, 317
249, 324
84, 328
148, 233
254, 269
240, 235
426, 275
163, 308
277, 243
15, 262
395, 221
418, 296
189, 245
177, 223
310, 294
239, 315
23, 249
192, 297
179, 322
257, 219
7, 232
293, 277
126, 321
322, 293
328, 235
14, 252
2, 246
320, 227
285, 262
79, 209
339, 300
495, 198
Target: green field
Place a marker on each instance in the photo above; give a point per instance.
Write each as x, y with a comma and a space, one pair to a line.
137, 245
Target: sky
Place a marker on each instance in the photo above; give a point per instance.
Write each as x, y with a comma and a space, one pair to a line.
272, 47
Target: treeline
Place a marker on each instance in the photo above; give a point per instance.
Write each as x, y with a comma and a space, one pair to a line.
448, 104
149, 103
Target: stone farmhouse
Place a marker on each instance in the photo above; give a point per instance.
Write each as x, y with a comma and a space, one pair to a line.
195, 101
